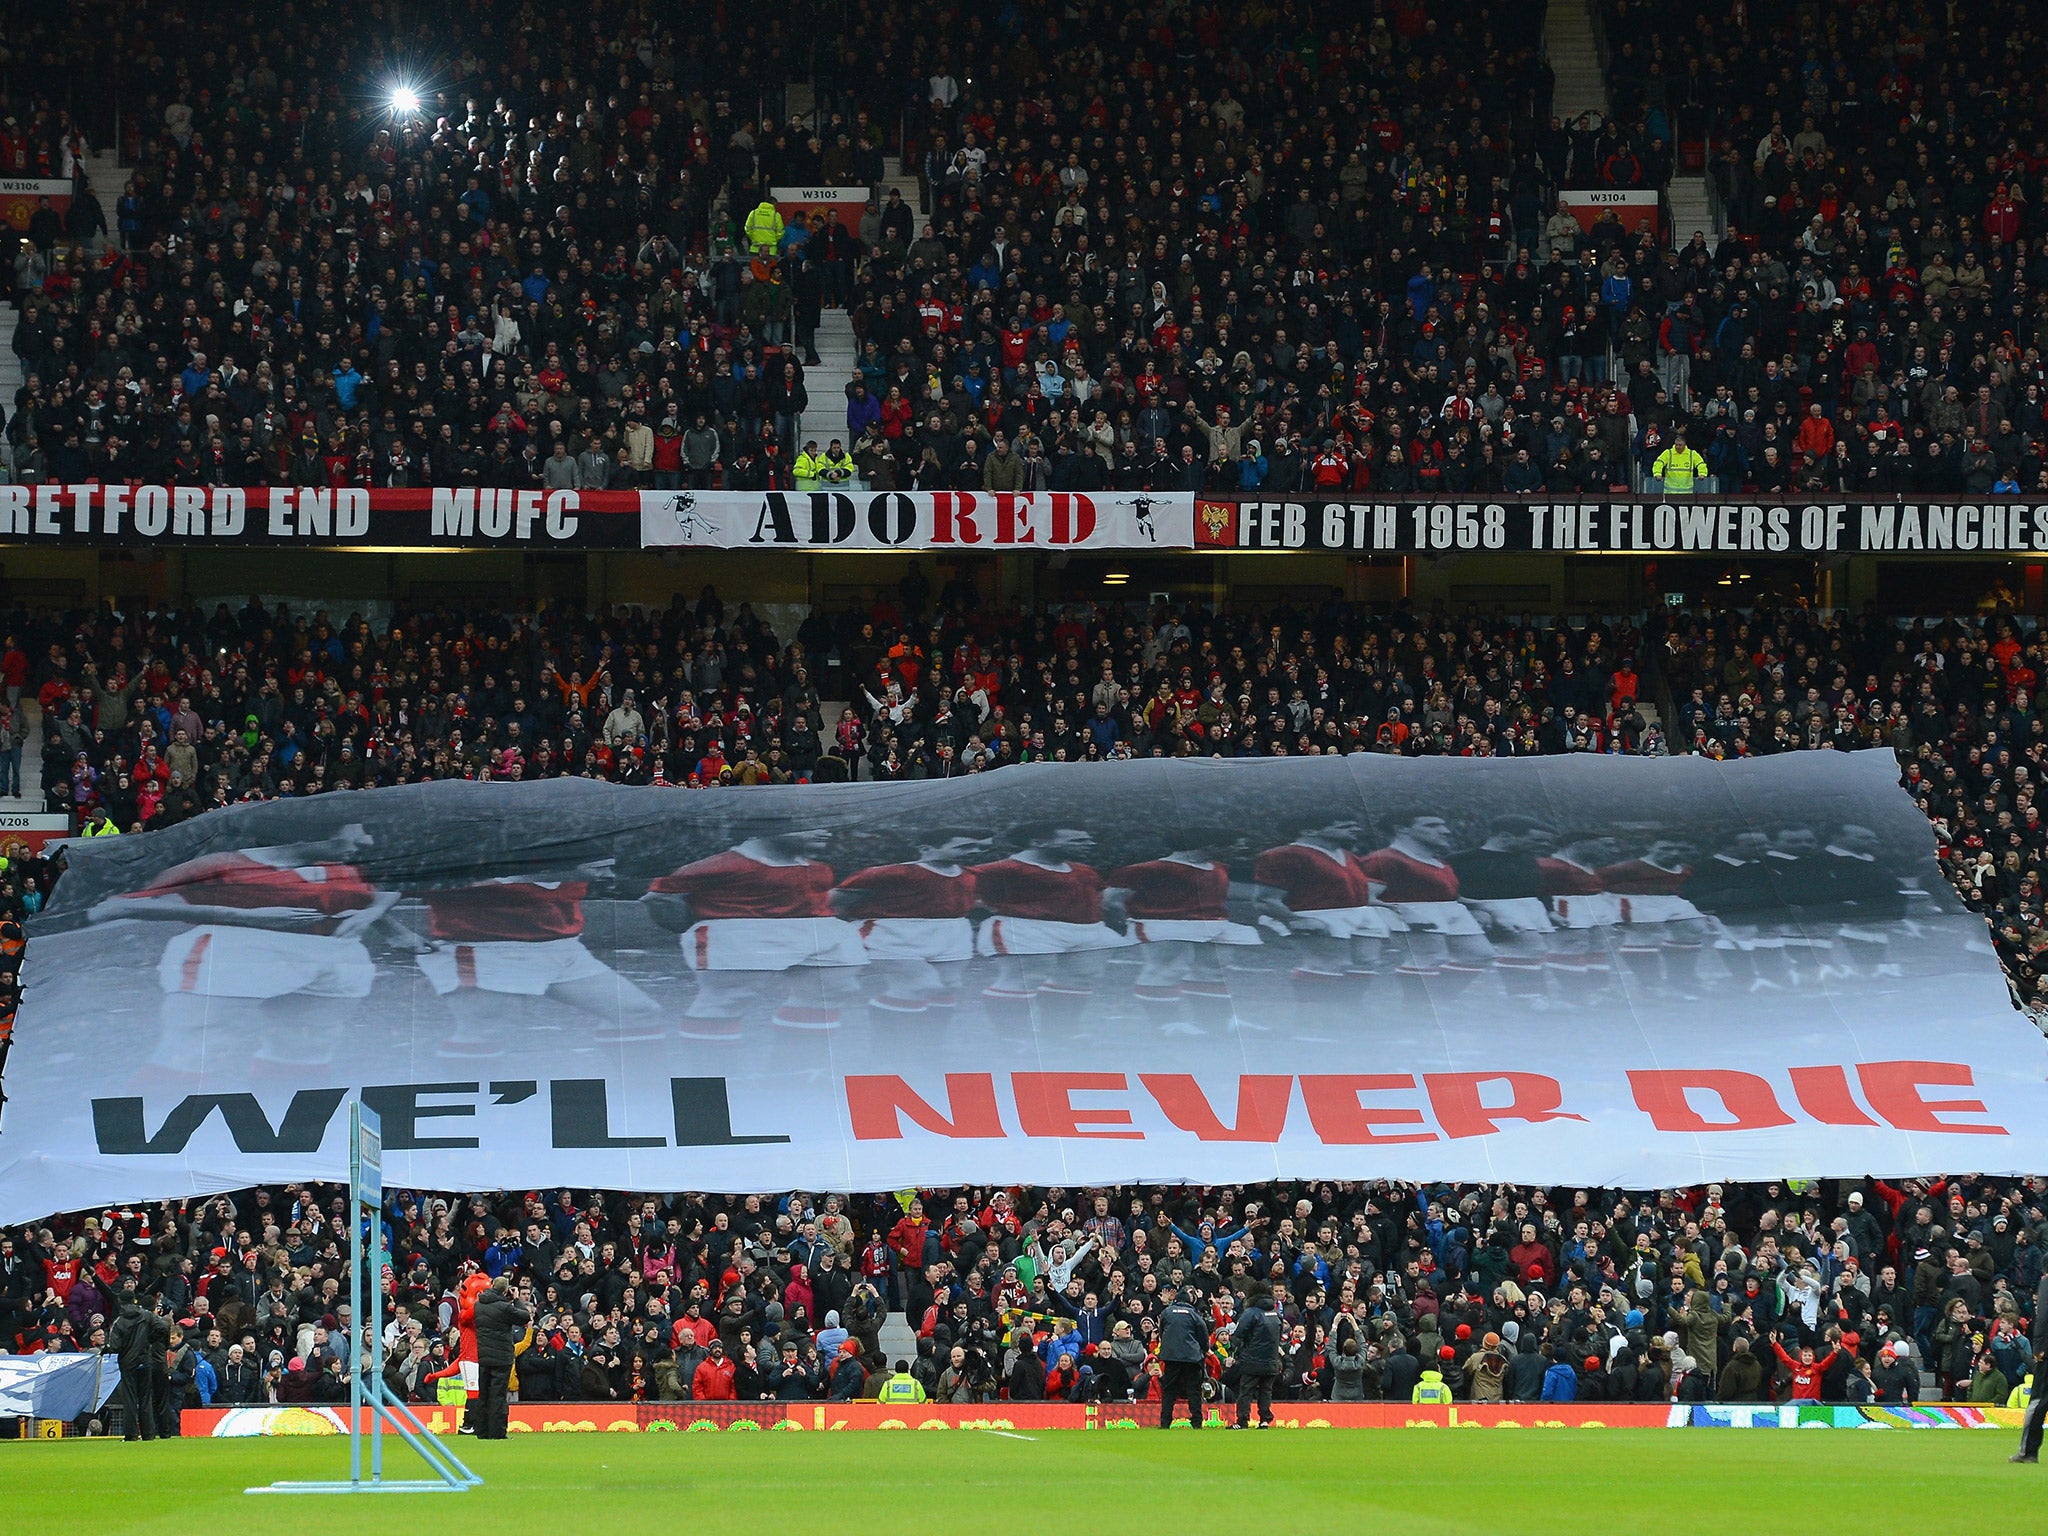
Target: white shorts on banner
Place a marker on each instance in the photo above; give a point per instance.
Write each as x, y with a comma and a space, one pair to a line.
934, 939
219, 961
771, 943
523, 970
1038, 936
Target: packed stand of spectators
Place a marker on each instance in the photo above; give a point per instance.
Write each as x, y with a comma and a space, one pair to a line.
1750, 1293
1885, 265
150, 719
1244, 252
1309, 249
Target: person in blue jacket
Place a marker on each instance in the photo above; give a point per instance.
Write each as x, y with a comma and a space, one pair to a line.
1198, 1245
1560, 1381
204, 1379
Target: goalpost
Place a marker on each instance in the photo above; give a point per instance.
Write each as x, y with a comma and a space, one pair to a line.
367, 1395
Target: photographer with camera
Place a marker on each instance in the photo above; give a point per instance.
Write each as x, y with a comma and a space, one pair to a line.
500, 1322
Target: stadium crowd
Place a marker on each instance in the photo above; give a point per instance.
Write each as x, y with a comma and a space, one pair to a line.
1338, 1292
185, 710
1252, 251
1294, 248
149, 720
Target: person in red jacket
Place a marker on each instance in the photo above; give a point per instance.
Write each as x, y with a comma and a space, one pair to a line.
1533, 1259
1807, 1372
907, 1238
1816, 437
712, 1382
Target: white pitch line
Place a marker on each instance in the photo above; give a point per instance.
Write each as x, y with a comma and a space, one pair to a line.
1012, 1435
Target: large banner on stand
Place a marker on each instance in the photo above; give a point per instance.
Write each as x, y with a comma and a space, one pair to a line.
816, 520
317, 517
1621, 525
1009, 521
1583, 970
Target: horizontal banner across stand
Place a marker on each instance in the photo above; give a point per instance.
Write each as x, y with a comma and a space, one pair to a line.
184, 516
998, 522
1627, 525
1587, 969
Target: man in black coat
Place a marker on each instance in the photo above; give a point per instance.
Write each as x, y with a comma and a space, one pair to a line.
1183, 1347
1397, 1381
1257, 1342
240, 1380
138, 1339
18, 1291
500, 1322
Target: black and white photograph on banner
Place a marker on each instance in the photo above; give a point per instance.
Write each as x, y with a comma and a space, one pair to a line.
1643, 971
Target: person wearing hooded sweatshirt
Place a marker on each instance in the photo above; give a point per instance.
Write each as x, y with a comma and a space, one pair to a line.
1523, 1380
1560, 1381
830, 1337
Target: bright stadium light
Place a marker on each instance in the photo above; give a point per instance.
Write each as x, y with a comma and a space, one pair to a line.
405, 101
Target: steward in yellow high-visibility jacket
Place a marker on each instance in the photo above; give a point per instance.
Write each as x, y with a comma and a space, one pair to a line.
1679, 468
835, 465
763, 229
901, 1387
1431, 1389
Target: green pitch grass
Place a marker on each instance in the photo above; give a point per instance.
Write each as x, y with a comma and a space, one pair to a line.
1528, 1480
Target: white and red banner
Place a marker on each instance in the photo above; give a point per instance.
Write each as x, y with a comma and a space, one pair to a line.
956, 520
1579, 970
1135, 522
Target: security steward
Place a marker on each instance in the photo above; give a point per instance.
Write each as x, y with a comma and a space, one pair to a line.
1679, 467
901, 1387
